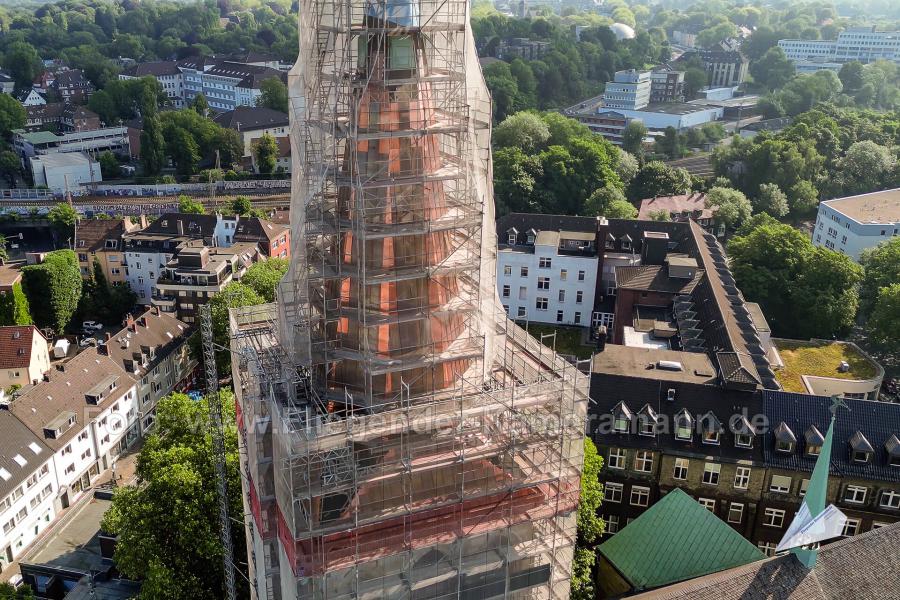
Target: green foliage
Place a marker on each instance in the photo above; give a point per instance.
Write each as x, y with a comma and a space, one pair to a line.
609, 201
200, 105
241, 205
121, 100
63, 218
273, 94
8, 592
825, 294
183, 150
264, 276
590, 525
22, 62
866, 166
660, 215
10, 166
731, 206
53, 289
168, 527
153, 146
265, 149
633, 138
188, 205
882, 268
771, 200
884, 324
14, 308
773, 70
234, 295
658, 179
103, 302
525, 130
109, 165
12, 114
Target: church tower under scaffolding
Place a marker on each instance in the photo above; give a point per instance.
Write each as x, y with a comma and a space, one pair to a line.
400, 437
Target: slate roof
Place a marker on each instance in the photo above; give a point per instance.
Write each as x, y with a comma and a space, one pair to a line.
155, 69
674, 540
251, 118
861, 567
71, 78
91, 234
154, 329
18, 440
655, 278
877, 421
254, 229
525, 221
195, 226
15, 345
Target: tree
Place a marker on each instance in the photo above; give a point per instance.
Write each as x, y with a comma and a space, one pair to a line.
12, 115
627, 167
659, 215
109, 165
14, 308
771, 200
865, 167
731, 207
9, 592
264, 276
803, 199
10, 166
167, 528
694, 80
266, 151
525, 130
63, 218
671, 143
53, 289
184, 152
825, 297
234, 295
153, 146
188, 205
22, 62
658, 179
610, 202
773, 70
589, 524
241, 205
851, 75
200, 105
633, 138
273, 94
882, 269
884, 323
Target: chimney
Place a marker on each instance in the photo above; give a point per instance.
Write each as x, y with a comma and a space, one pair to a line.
108, 336
601, 338
144, 222
129, 322
180, 227
155, 310
142, 321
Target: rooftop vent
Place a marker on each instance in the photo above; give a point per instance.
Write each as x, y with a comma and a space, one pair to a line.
669, 365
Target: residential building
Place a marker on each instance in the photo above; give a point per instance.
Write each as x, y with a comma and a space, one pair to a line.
61, 117
252, 122
666, 85
680, 208
863, 44
856, 223
387, 327
684, 37
628, 90
65, 172
28, 487
226, 85
547, 273
523, 48
168, 75
724, 68
9, 276
102, 240
7, 83
72, 86
31, 97
274, 240
24, 356
198, 272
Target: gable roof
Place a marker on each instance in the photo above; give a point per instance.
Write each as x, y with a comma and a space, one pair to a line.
71, 78
251, 118
154, 330
254, 229
18, 440
655, 278
194, 226
862, 567
91, 234
15, 345
674, 540
156, 69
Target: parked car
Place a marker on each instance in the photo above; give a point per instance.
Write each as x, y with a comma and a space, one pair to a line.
91, 326
87, 341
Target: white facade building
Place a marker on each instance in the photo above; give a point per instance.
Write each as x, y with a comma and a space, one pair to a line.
64, 172
863, 44
629, 90
851, 225
548, 276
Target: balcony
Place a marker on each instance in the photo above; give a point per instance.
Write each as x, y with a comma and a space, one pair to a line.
165, 303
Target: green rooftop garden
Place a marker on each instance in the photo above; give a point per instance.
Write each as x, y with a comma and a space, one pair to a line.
568, 339
819, 360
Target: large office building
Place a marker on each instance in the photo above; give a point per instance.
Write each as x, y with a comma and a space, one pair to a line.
856, 223
628, 90
863, 44
386, 403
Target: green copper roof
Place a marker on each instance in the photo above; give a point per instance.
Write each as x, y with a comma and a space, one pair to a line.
673, 540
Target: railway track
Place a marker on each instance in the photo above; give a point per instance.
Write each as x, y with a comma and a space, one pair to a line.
140, 203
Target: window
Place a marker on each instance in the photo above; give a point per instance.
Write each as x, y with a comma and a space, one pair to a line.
890, 499
640, 496
580, 275
813, 450
773, 517
559, 316
523, 293
735, 512
681, 469
612, 524
577, 318
521, 313
708, 503
511, 239
855, 494
742, 478
784, 446
683, 428
711, 473
541, 304
767, 548
563, 274
860, 457
711, 436
506, 291
851, 527
562, 295
507, 270
780, 484
543, 283
878, 525
804, 485
643, 461
743, 440
616, 458
612, 492
544, 262
523, 272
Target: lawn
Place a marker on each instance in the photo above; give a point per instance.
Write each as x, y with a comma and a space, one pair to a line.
568, 339
820, 360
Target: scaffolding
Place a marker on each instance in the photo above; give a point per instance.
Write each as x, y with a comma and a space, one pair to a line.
401, 438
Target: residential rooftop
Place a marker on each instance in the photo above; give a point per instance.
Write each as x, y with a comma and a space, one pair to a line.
820, 359
629, 361
876, 208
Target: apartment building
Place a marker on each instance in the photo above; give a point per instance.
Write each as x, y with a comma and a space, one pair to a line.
252, 122
102, 240
72, 86
546, 272
629, 90
28, 487
168, 75
666, 85
61, 116
24, 356
725, 68
863, 44
856, 223
226, 85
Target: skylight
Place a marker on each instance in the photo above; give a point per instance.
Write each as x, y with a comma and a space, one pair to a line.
35, 448
20, 460
4, 474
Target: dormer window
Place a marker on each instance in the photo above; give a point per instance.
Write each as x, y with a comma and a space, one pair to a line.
530, 236
711, 428
814, 441
861, 450
684, 425
610, 241
621, 418
743, 432
648, 421
785, 440
892, 448
626, 242
512, 236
